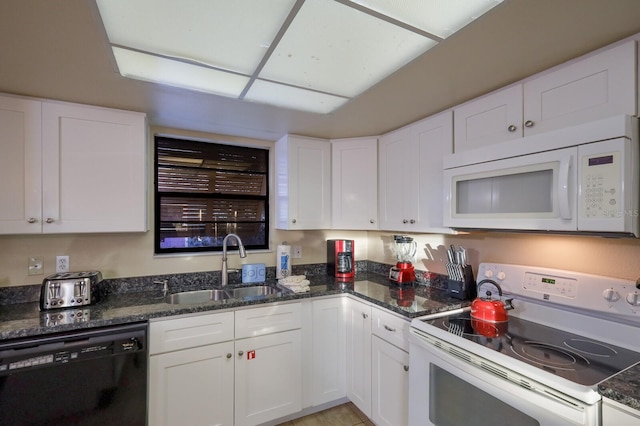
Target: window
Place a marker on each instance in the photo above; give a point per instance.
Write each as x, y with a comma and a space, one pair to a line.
204, 191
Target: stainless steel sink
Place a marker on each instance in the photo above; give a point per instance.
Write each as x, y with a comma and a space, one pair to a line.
199, 296
203, 296
253, 291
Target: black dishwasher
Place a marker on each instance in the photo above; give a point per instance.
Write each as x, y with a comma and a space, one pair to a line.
94, 377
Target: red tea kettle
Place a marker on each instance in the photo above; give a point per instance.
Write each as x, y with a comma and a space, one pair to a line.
488, 309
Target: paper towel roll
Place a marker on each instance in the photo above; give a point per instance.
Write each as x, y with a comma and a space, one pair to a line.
283, 258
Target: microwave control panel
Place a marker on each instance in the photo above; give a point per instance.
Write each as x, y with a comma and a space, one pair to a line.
600, 185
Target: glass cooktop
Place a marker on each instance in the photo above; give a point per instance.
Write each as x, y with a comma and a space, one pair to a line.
576, 358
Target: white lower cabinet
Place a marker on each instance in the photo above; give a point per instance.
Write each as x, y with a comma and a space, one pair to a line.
191, 370
192, 386
328, 337
268, 377
358, 326
390, 384
198, 374
616, 414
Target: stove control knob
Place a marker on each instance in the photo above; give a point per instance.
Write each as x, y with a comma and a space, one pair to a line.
633, 299
610, 295
488, 273
501, 276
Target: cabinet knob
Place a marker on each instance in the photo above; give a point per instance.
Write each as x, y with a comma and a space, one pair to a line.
32, 220
364, 315
412, 221
372, 221
293, 221
405, 221
406, 368
50, 220
240, 353
512, 128
229, 355
528, 123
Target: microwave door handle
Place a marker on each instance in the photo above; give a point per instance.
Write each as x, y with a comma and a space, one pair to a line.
563, 188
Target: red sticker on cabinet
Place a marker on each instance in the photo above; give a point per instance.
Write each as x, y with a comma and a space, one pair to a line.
251, 354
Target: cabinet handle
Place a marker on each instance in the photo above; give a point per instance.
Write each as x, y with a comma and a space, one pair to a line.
293, 221
32, 220
229, 355
386, 327
50, 220
364, 315
405, 221
240, 353
406, 368
528, 123
512, 128
412, 221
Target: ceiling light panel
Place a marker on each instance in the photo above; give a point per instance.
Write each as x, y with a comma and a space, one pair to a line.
439, 17
336, 49
231, 35
293, 97
152, 68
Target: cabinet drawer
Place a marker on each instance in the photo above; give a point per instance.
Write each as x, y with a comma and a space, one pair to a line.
182, 333
268, 319
391, 328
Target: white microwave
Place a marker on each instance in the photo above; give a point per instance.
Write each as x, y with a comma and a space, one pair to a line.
579, 179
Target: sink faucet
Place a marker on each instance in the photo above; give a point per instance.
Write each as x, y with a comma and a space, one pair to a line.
241, 250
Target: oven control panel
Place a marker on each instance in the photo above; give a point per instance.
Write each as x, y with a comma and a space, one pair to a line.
572, 289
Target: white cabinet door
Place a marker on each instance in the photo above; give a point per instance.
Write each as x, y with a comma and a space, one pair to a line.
192, 387
268, 381
434, 136
598, 86
329, 350
616, 414
303, 183
490, 119
359, 355
398, 180
94, 169
20, 166
410, 167
390, 382
354, 183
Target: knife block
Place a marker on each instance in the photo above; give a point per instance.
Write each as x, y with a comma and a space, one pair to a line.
465, 289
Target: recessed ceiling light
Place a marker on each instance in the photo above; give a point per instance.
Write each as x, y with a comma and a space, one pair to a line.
310, 55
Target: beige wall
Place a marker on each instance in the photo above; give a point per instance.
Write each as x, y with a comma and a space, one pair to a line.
132, 255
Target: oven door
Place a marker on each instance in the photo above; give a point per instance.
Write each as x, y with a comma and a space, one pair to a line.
448, 390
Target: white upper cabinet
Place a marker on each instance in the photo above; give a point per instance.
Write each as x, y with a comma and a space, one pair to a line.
303, 183
20, 166
596, 86
72, 168
354, 183
410, 175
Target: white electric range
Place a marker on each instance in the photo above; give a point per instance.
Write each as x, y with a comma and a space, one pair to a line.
567, 332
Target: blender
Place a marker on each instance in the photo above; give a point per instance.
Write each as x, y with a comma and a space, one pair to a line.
405, 249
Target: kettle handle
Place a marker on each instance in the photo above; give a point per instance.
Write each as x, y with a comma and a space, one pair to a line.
490, 282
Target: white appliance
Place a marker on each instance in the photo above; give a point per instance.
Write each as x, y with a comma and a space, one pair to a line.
580, 179
567, 332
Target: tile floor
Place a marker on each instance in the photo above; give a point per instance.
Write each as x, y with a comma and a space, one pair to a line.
341, 415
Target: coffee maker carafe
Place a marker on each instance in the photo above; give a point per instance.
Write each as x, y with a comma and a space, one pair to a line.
341, 259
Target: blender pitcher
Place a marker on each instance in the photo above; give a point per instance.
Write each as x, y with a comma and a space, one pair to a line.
405, 249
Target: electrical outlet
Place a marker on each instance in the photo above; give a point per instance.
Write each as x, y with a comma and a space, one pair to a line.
62, 263
296, 252
35, 265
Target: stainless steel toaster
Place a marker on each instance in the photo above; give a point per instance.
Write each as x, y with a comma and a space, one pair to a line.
70, 289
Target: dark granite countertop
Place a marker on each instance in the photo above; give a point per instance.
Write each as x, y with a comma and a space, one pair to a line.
142, 299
